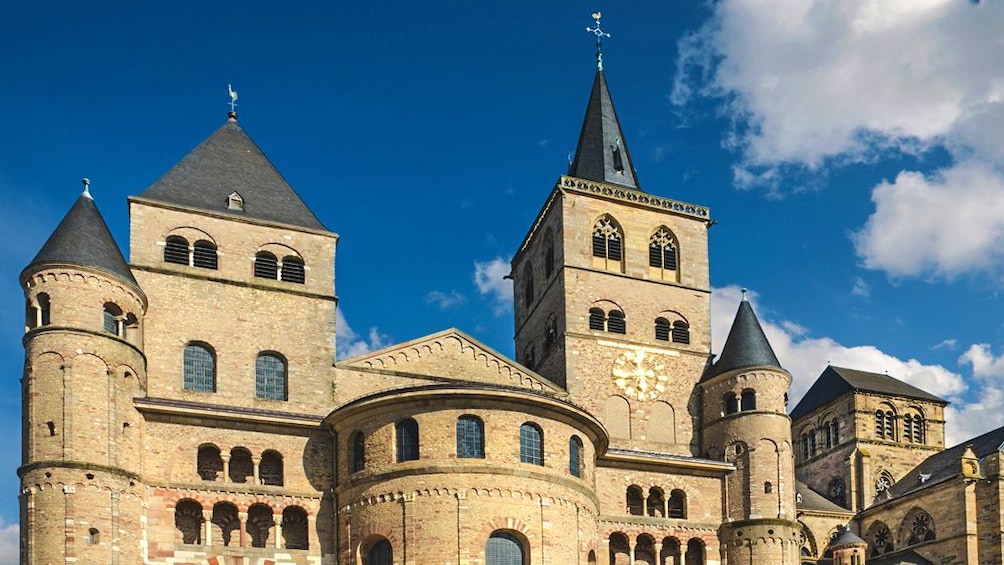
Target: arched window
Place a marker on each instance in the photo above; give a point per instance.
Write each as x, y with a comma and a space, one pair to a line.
806, 445
835, 432
681, 332
210, 463
199, 363
266, 266
93, 536
597, 319
607, 244
188, 521
919, 527
270, 377
768, 487
44, 309
548, 253
504, 548
531, 444
883, 482
662, 329
380, 553
677, 504
695, 552
294, 528
528, 286
204, 255
575, 456
176, 250
357, 452
551, 335
241, 466
226, 519
619, 549
731, 403
913, 428
747, 400
662, 250
407, 440
111, 320
470, 437
655, 504
616, 323
635, 501
879, 539
293, 270
259, 522
836, 491
270, 468
884, 424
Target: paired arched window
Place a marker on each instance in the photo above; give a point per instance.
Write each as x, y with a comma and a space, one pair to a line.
531, 444
662, 252
913, 428
470, 437
203, 253
260, 521
112, 320
270, 468
406, 432
831, 433
270, 377
199, 364
808, 440
267, 266
662, 329
225, 518
357, 452
575, 456
885, 422
292, 270
655, 504
612, 321
608, 244
380, 553
681, 332
551, 333
504, 548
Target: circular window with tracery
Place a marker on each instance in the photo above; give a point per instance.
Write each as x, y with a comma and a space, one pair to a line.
881, 540
921, 529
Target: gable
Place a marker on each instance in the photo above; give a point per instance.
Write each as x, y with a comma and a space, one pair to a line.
450, 355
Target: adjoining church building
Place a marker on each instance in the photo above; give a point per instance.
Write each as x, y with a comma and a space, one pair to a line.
169, 418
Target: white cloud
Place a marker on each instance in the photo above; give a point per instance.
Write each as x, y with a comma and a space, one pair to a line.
806, 357
965, 420
490, 278
445, 300
948, 224
9, 543
946, 344
985, 364
350, 344
861, 288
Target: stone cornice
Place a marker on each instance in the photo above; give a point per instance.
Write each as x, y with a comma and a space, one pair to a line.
186, 409
634, 198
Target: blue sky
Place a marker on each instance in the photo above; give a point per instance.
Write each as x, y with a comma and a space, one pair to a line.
851, 152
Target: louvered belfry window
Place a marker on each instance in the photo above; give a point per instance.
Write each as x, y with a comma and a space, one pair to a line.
266, 266
607, 239
176, 250
292, 270
204, 255
616, 323
662, 250
662, 329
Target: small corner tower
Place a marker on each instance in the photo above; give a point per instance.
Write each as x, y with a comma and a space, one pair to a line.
612, 291
83, 365
744, 396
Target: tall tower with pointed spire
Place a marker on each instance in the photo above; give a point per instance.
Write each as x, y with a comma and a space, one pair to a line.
84, 363
612, 291
744, 398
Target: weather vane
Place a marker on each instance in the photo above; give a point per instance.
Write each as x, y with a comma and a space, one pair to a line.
233, 98
600, 34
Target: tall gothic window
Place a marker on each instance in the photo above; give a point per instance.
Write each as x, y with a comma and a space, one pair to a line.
407, 440
662, 252
607, 244
199, 363
470, 437
548, 254
270, 377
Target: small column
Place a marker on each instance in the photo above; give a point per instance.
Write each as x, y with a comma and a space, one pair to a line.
207, 518
277, 518
632, 545
658, 553
226, 467
605, 555
256, 461
243, 517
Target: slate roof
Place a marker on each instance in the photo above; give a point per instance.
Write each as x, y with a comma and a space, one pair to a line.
846, 537
837, 381
229, 161
945, 464
904, 558
600, 135
746, 346
83, 238
812, 500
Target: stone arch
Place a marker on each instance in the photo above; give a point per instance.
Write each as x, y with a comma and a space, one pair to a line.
662, 423
294, 528
879, 538
260, 522
917, 527
620, 549
188, 521
225, 522
617, 417
634, 501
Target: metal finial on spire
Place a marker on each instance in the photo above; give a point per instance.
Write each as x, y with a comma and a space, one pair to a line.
233, 101
600, 34
87, 184
744, 295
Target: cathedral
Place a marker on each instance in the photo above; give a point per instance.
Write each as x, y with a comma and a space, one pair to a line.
169, 417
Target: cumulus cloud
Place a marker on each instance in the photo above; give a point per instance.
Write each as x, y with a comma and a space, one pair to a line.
915, 229
984, 363
813, 83
445, 300
9, 543
351, 344
805, 357
490, 278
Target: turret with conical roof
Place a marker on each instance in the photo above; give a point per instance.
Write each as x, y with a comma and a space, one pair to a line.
83, 367
744, 397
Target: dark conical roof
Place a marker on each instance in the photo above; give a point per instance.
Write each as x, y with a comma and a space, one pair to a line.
83, 238
746, 346
229, 161
602, 154
846, 537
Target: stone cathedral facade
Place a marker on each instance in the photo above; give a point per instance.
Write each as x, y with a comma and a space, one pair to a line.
170, 419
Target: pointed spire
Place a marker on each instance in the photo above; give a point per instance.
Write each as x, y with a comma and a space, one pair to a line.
228, 161
602, 154
83, 239
746, 346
